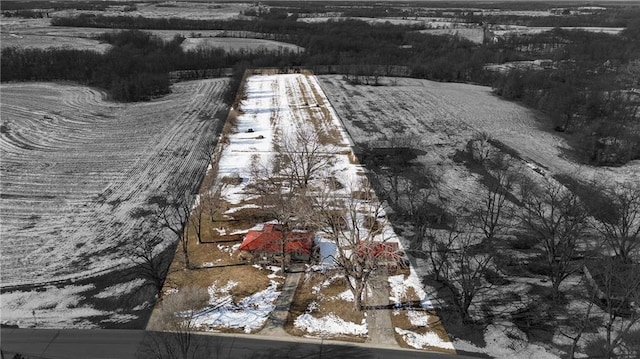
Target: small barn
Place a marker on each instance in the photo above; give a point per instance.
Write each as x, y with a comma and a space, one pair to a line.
265, 245
387, 254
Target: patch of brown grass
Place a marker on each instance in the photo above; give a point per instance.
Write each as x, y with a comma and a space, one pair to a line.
250, 279
302, 299
326, 303
400, 319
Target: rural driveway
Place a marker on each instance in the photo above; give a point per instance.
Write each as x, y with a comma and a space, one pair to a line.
278, 317
379, 312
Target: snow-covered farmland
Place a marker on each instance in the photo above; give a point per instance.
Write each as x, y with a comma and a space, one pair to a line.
231, 44
513, 30
445, 116
475, 35
74, 166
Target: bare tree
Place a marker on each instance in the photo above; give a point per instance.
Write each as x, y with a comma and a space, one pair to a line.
304, 156
438, 247
558, 217
620, 223
356, 225
173, 214
281, 197
579, 319
489, 215
197, 218
146, 254
461, 260
618, 287
172, 325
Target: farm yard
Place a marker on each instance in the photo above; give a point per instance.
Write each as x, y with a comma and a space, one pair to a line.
274, 109
74, 169
497, 216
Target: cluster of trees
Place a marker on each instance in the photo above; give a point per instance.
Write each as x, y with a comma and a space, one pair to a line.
560, 227
136, 68
344, 43
587, 91
612, 17
13, 5
584, 93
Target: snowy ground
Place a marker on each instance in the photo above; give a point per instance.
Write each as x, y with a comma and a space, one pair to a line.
442, 118
275, 105
248, 314
74, 167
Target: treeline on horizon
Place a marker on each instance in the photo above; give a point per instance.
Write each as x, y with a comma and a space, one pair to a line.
576, 93
136, 68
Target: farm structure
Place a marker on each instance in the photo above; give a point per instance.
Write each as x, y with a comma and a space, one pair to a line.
388, 254
265, 246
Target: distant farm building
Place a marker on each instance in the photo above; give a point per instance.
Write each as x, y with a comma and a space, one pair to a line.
265, 246
387, 254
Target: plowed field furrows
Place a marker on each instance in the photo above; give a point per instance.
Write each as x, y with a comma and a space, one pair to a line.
73, 166
444, 116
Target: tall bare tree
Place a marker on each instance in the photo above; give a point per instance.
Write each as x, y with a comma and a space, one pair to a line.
618, 287
281, 197
173, 214
197, 218
620, 224
303, 155
490, 213
559, 219
460, 258
356, 225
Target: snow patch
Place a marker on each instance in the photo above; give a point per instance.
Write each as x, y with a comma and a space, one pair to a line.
329, 325
121, 289
249, 314
422, 341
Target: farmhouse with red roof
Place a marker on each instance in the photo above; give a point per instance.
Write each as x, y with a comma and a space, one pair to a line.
265, 245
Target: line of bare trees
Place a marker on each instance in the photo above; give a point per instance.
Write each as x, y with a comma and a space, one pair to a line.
564, 229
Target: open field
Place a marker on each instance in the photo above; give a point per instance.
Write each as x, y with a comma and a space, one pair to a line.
445, 116
231, 44
38, 33
74, 166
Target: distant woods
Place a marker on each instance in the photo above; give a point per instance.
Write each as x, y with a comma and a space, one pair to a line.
582, 89
590, 92
136, 68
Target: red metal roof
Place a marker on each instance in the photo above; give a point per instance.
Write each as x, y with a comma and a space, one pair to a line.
389, 250
270, 240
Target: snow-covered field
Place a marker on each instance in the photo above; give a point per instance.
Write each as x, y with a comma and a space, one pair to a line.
231, 44
475, 35
444, 116
73, 168
514, 30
